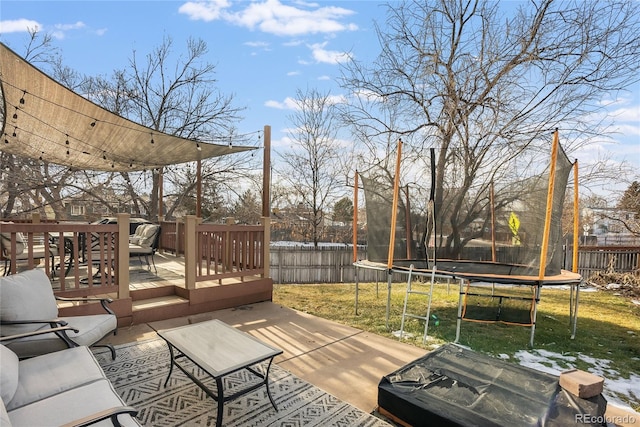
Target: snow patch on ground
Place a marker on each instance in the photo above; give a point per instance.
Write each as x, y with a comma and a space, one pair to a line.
615, 386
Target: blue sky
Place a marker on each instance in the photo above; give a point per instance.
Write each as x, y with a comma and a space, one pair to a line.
263, 50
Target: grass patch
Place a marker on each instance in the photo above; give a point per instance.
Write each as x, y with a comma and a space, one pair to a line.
608, 325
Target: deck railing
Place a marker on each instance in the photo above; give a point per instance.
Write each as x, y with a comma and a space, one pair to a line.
94, 259
229, 251
80, 259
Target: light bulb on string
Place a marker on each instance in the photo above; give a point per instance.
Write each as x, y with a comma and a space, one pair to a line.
24, 92
93, 123
15, 128
15, 114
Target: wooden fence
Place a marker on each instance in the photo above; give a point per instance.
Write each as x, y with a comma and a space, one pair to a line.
620, 259
301, 264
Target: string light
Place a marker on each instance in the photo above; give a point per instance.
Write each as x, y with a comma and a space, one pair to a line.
15, 128
46, 136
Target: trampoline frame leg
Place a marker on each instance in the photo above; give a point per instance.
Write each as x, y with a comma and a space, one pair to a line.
389, 274
459, 320
574, 309
535, 314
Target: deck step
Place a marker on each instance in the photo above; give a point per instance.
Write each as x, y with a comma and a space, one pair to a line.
159, 308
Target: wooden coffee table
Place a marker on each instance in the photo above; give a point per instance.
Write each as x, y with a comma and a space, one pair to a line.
219, 350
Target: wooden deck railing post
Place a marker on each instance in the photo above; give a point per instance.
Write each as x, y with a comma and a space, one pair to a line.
266, 251
123, 255
190, 251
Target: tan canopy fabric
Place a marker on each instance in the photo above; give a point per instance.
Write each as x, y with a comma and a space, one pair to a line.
44, 120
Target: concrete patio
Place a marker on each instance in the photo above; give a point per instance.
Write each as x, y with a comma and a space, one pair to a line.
341, 360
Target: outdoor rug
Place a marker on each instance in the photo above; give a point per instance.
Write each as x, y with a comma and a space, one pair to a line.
140, 370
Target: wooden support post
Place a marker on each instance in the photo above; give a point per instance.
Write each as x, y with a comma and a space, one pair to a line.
190, 251
123, 255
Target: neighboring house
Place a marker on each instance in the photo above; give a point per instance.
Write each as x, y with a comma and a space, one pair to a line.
79, 208
610, 226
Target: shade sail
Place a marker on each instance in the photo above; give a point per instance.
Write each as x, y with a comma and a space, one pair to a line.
45, 120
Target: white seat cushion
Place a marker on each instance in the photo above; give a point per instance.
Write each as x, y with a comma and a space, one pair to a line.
70, 406
8, 374
26, 296
91, 328
44, 376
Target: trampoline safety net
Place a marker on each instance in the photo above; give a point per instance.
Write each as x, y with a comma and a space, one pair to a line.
464, 229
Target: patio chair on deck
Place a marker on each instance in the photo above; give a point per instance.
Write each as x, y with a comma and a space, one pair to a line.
27, 304
21, 251
145, 243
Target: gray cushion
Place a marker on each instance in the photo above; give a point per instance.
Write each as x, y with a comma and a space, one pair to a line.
148, 235
5, 241
8, 374
26, 296
4, 417
91, 329
54, 373
70, 406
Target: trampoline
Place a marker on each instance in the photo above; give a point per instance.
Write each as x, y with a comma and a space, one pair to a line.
533, 246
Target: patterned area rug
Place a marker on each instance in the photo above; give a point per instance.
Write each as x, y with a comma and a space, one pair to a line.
139, 372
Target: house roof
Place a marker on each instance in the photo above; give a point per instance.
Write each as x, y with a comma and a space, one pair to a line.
45, 120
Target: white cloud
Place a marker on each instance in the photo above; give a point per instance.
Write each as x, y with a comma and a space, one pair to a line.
205, 10
288, 104
324, 78
257, 44
273, 17
66, 27
320, 54
293, 73
19, 26
61, 30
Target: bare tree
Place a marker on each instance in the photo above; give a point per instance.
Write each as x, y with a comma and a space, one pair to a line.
312, 165
180, 98
28, 185
486, 89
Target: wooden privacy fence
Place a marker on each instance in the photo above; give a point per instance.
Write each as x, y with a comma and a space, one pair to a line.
331, 264
620, 259
302, 264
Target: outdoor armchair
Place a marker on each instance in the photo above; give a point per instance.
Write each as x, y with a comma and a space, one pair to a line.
18, 250
27, 304
144, 242
66, 387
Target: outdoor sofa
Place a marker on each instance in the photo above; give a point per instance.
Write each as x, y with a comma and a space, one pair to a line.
63, 388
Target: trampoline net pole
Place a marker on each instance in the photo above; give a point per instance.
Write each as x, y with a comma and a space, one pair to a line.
547, 220
576, 220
